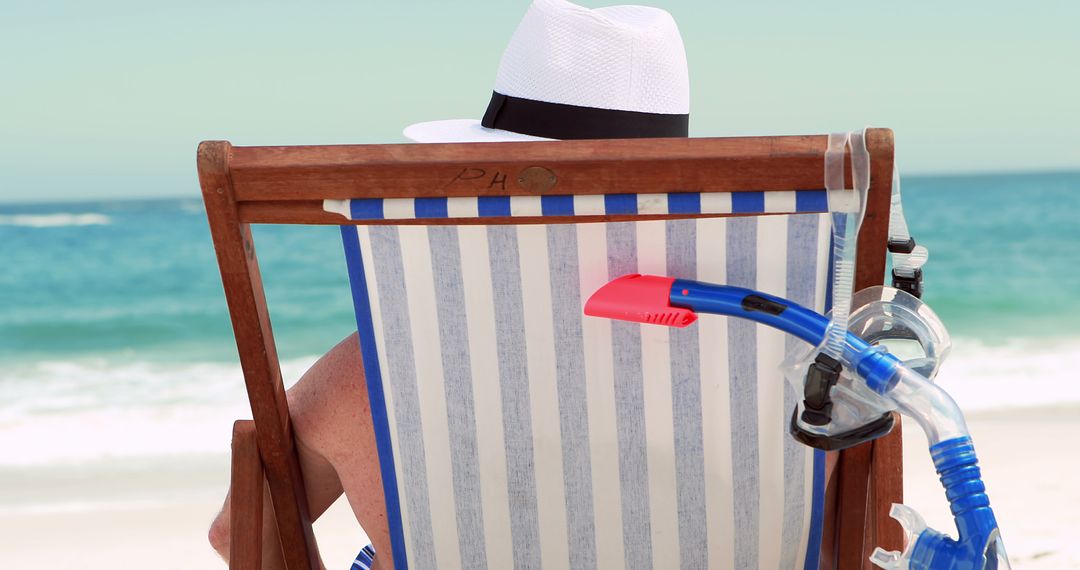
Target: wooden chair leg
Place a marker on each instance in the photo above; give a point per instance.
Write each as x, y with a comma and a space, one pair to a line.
246, 502
852, 503
870, 481
886, 488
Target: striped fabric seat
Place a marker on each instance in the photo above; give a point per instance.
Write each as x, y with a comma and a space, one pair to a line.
514, 432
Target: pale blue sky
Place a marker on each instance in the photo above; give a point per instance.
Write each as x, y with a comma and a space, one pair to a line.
110, 98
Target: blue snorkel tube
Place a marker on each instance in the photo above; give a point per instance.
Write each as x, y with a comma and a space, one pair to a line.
895, 386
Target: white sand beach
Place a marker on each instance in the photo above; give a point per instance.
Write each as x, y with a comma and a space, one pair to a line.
155, 513
1028, 458
128, 515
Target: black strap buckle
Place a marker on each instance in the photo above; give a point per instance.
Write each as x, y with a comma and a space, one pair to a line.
873, 430
900, 246
912, 284
820, 378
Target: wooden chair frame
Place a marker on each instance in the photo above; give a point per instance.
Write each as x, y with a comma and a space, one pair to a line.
286, 185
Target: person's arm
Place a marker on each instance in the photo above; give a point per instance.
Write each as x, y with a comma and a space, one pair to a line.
335, 441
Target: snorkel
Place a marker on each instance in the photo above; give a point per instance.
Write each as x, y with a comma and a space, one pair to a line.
850, 399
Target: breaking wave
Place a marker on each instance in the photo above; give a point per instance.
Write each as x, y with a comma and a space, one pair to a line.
54, 220
63, 412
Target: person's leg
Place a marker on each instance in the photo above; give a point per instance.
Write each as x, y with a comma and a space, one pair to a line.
335, 442
322, 489
331, 414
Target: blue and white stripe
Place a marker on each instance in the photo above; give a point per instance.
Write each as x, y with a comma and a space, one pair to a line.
364, 559
519, 433
746, 203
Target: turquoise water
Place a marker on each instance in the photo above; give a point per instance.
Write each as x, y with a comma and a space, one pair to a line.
139, 279
118, 307
1004, 252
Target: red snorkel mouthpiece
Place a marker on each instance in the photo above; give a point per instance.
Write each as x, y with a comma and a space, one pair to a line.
639, 299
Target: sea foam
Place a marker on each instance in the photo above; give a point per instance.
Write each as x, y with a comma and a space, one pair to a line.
64, 412
54, 220
85, 411
1019, 373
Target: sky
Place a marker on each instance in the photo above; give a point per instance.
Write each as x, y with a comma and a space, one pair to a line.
109, 99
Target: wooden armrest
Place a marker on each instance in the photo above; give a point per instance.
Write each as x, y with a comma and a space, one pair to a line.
246, 502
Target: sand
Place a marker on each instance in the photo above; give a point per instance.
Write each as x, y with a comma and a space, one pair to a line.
1030, 461
143, 514
155, 513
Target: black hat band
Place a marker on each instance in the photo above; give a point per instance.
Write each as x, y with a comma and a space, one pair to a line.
560, 121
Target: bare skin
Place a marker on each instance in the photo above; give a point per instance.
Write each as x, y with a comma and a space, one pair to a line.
335, 442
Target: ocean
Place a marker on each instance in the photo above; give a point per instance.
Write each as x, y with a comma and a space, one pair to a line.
114, 334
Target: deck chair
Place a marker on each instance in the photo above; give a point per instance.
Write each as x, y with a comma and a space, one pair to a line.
515, 432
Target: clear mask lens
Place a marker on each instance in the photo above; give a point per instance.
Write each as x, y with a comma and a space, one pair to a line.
903, 325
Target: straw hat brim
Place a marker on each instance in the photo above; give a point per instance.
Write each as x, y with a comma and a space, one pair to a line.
461, 130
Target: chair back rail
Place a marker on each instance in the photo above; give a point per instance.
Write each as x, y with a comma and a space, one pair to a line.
580, 167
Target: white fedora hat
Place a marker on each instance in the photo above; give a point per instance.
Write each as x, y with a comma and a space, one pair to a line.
570, 72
